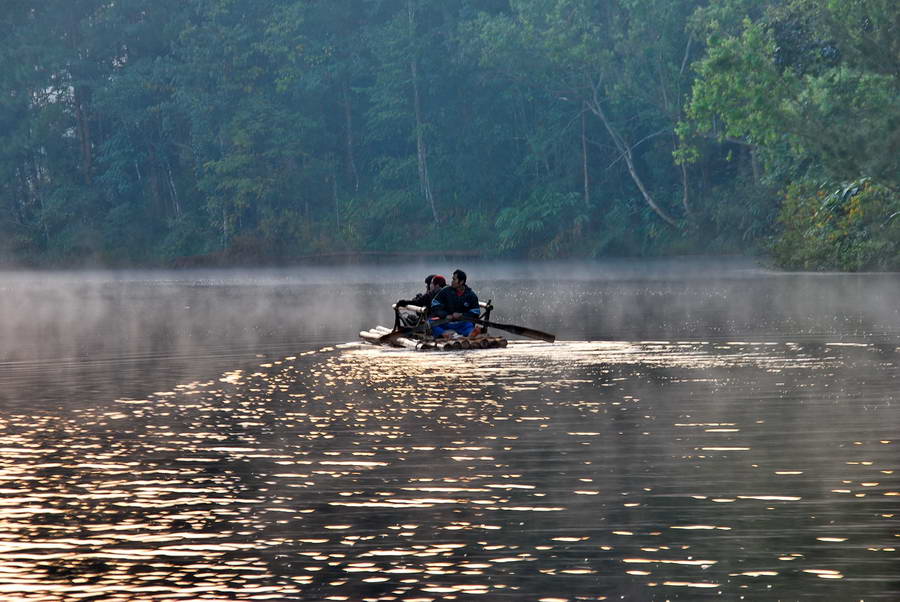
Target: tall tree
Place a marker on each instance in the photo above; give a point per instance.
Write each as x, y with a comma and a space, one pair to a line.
409, 55
601, 58
822, 79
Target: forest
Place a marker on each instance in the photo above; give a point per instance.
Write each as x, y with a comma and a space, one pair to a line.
224, 132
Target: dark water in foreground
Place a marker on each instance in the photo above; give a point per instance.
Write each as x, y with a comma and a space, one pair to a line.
714, 432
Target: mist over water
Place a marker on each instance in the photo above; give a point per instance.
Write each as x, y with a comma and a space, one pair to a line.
701, 429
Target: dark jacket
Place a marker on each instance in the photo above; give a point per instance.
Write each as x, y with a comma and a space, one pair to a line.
422, 300
448, 301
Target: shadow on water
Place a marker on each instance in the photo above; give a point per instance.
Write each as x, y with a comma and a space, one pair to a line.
217, 437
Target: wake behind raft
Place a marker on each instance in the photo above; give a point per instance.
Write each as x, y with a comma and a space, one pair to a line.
412, 330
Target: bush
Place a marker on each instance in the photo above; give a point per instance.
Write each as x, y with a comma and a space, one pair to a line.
548, 223
852, 227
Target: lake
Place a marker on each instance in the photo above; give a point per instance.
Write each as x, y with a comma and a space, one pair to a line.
701, 429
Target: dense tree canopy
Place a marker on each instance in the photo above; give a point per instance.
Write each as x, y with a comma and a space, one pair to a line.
814, 89
139, 132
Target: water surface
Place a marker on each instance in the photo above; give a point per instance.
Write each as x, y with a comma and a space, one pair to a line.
700, 430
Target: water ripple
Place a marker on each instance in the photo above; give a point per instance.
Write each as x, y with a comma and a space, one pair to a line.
649, 470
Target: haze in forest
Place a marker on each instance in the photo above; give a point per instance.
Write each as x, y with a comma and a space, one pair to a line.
221, 132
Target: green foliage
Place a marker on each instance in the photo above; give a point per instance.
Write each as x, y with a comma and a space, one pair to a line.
809, 76
739, 91
128, 234
812, 88
224, 130
741, 216
188, 235
549, 223
853, 226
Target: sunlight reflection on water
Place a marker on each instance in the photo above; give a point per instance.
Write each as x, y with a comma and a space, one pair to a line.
572, 471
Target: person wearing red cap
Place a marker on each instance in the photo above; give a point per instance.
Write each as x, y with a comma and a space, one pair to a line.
433, 284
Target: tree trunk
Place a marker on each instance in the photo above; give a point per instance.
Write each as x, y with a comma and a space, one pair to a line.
224, 228
38, 196
754, 165
153, 182
597, 109
421, 150
684, 197
84, 133
23, 195
35, 192
584, 159
173, 190
337, 203
685, 201
348, 121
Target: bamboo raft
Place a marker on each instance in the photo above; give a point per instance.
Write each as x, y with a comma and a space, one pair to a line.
418, 336
412, 341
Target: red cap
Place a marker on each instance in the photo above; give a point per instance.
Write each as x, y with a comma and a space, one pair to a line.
439, 280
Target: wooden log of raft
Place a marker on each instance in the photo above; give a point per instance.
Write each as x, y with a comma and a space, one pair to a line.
377, 336
371, 337
405, 342
416, 308
419, 309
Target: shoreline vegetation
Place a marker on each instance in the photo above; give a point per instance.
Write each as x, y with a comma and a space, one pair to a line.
219, 133
346, 257
229, 259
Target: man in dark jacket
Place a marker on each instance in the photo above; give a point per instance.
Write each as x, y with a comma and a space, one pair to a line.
455, 303
433, 284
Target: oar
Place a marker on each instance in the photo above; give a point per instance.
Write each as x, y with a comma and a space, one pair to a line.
531, 333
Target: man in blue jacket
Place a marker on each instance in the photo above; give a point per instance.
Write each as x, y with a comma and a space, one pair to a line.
455, 303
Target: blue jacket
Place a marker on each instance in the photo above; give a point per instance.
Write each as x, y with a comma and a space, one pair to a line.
448, 301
